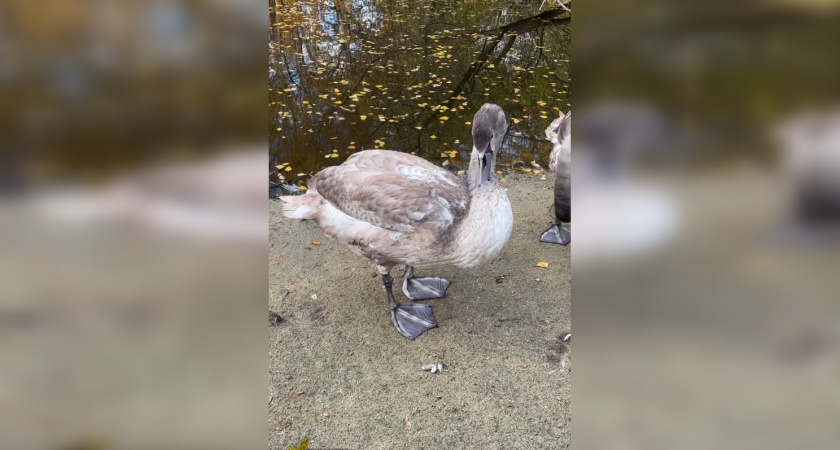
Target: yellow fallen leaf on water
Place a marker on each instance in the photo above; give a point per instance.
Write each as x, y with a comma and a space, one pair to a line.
467, 123
537, 172
498, 172
316, 243
526, 170
334, 155
444, 108
457, 141
444, 155
338, 102
433, 137
289, 169
444, 118
515, 120
534, 163
542, 264
302, 187
363, 117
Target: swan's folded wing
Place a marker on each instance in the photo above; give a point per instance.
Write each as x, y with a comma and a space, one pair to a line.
394, 191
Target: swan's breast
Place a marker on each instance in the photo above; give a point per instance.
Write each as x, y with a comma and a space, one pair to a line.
485, 230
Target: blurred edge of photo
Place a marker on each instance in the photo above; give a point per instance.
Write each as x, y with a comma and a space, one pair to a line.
707, 211
134, 214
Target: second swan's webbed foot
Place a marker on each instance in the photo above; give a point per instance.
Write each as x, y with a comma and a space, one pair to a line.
557, 234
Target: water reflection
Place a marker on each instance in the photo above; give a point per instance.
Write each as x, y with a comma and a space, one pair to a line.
362, 74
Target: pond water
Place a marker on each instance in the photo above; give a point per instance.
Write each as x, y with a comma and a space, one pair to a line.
349, 75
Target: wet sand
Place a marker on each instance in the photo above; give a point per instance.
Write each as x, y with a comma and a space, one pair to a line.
341, 376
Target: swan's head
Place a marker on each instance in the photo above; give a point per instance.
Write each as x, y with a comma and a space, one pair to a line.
489, 128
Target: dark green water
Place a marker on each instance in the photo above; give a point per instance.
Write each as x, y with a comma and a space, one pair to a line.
350, 75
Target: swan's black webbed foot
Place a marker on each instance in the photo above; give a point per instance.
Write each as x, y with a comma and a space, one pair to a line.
423, 288
557, 234
410, 319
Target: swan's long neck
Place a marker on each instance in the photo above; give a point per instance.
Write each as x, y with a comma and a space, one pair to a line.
486, 228
561, 163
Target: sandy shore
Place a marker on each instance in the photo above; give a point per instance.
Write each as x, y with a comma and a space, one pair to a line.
341, 376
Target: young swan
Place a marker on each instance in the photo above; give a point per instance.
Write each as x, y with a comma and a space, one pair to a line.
560, 134
393, 208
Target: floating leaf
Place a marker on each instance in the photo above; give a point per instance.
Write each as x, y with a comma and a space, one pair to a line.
316, 242
302, 187
334, 155
289, 169
444, 118
542, 264
363, 117
515, 120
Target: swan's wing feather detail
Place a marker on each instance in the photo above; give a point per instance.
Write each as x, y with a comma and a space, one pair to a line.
393, 190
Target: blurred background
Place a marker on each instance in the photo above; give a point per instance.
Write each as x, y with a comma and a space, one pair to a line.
706, 168
134, 215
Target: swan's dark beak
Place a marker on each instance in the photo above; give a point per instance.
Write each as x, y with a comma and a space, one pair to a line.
485, 167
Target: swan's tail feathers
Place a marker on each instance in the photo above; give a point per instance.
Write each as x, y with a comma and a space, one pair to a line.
304, 206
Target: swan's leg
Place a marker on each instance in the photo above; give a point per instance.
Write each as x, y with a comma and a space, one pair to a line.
557, 234
410, 319
423, 288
